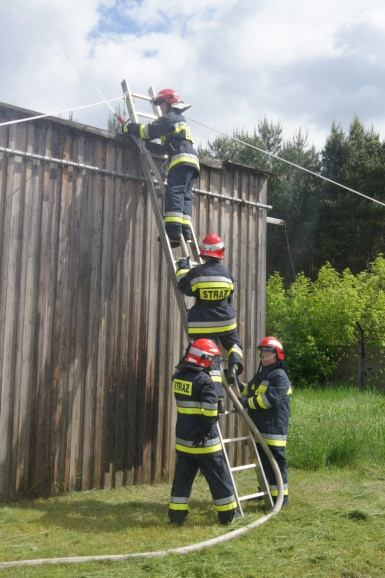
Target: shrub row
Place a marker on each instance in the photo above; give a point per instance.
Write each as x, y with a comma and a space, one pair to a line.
317, 320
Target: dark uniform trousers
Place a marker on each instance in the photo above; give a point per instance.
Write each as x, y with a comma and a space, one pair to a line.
178, 201
216, 473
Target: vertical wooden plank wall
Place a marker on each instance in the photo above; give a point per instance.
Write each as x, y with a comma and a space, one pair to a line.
89, 325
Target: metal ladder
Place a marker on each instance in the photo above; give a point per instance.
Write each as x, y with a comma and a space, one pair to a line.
156, 188
253, 460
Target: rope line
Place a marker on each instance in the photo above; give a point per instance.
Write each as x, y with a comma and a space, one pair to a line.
36, 117
236, 139
318, 175
289, 251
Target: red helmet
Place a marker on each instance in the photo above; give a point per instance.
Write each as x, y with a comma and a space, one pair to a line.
272, 344
167, 95
212, 246
202, 352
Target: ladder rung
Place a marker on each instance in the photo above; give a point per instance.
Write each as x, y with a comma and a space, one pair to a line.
141, 96
239, 439
251, 496
146, 115
244, 467
229, 412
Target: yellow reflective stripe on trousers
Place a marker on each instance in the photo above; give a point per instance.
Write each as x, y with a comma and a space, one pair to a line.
275, 440
190, 410
173, 506
190, 450
274, 490
226, 507
276, 443
173, 220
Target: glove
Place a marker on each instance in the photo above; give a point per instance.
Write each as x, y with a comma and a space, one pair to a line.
183, 263
244, 401
131, 128
239, 368
236, 367
230, 375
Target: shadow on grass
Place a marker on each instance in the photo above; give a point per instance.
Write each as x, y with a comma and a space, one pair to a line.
93, 516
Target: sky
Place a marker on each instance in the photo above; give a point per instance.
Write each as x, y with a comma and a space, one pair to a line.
298, 63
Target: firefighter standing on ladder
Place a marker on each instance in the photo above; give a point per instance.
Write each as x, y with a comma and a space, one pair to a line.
213, 314
183, 162
198, 446
267, 398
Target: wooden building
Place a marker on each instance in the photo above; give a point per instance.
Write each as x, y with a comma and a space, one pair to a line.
90, 330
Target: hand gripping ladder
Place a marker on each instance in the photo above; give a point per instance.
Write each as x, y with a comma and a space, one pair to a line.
156, 190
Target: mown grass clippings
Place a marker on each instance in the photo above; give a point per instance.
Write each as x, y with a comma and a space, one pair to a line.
334, 526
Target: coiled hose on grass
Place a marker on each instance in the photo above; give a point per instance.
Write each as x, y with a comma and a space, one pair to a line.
183, 549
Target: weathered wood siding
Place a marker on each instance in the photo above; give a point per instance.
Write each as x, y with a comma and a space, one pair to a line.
89, 325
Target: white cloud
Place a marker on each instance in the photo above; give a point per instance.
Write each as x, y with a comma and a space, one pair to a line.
236, 61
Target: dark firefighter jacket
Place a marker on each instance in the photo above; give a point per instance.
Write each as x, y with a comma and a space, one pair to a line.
175, 138
268, 402
197, 411
212, 285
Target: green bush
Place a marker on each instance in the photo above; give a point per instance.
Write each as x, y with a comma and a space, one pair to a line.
317, 320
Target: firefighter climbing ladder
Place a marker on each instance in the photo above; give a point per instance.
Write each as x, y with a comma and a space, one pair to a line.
156, 189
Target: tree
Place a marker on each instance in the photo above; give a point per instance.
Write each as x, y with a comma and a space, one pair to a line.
292, 193
323, 221
351, 230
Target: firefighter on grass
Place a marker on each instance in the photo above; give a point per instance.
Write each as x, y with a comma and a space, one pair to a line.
198, 445
267, 398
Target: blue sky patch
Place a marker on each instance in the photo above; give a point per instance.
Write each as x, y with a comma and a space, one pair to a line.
114, 20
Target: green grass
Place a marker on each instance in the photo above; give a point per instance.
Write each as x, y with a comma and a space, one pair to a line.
339, 426
334, 526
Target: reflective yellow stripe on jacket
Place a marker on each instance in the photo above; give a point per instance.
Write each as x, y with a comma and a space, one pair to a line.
187, 446
211, 326
185, 158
